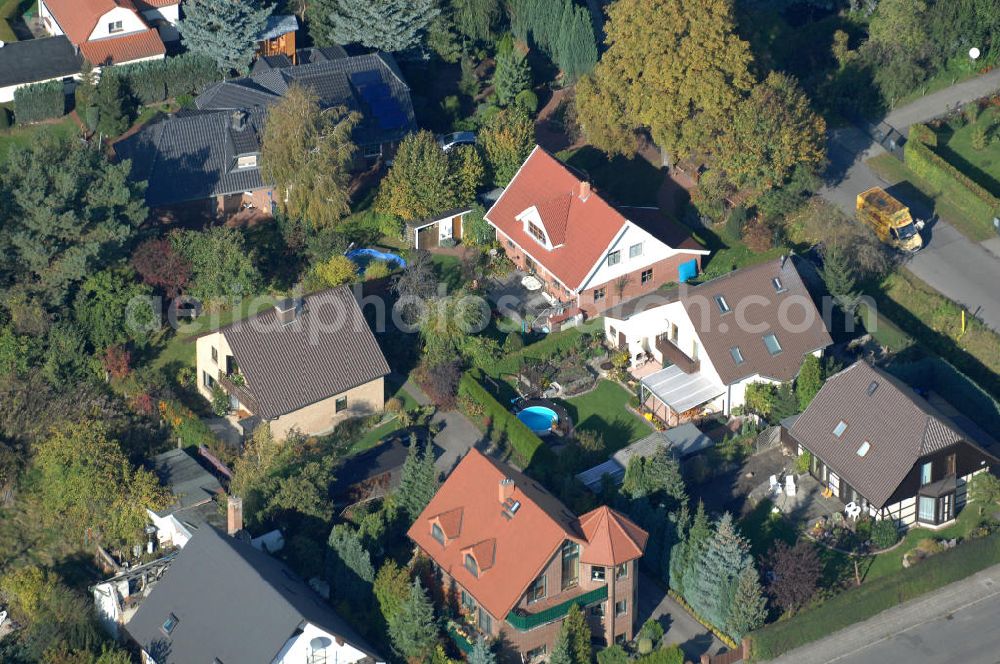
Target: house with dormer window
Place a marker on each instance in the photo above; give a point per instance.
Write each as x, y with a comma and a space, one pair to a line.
695, 349
586, 252
112, 32
517, 559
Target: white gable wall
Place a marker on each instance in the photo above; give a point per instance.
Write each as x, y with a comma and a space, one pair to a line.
131, 22
48, 20
165, 20
653, 251
298, 649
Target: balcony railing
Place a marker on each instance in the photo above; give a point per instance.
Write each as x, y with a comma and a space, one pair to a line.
241, 393
523, 622
672, 353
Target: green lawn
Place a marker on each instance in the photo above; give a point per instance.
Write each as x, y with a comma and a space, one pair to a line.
22, 136
891, 561
729, 253
603, 410
982, 166
393, 388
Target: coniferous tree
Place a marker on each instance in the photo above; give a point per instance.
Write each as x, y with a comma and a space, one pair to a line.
224, 30
748, 608
512, 73
785, 403
475, 18
686, 553
578, 635
481, 653
414, 629
349, 565
714, 574
418, 479
388, 25
838, 275
561, 651
577, 51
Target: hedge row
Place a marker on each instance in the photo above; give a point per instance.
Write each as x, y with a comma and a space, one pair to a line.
962, 392
39, 101
924, 134
859, 604
157, 80
545, 348
947, 179
523, 441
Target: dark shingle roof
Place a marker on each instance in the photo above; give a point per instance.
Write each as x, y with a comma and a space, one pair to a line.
193, 156
37, 60
187, 480
233, 603
327, 350
899, 426
751, 290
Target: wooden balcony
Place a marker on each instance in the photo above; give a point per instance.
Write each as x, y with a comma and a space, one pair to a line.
241, 392
673, 354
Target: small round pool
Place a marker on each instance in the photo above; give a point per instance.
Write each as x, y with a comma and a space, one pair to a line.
364, 256
540, 419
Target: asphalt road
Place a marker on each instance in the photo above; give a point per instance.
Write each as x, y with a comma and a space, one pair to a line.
957, 623
958, 268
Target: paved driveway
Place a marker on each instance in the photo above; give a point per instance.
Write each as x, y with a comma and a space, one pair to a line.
678, 625
458, 434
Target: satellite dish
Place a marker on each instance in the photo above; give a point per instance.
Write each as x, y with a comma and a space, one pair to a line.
319, 643
974, 53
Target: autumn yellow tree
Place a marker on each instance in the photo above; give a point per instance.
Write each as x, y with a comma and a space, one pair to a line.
769, 135
673, 67
419, 183
306, 152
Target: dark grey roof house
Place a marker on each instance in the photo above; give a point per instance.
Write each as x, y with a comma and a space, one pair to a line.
877, 443
214, 151
194, 490
302, 364
34, 61
224, 601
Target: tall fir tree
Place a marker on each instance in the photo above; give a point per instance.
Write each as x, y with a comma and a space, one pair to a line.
578, 635
714, 575
748, 609
224, 30
785, 403
838, 275
577, 51
418, 479
481, 653
388, 25
684, 556
561, 651
414, 630
349, 565
512, 73
475, 18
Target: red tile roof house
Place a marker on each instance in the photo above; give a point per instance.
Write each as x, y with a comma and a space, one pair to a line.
588, 253
111, 32
517, 558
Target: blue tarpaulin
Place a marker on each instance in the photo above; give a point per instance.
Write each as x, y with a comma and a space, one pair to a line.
687, 270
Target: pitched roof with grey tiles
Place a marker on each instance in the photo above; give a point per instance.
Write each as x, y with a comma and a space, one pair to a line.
899, 426
194, 155
232, 603
327, 349
189, 483
38, 60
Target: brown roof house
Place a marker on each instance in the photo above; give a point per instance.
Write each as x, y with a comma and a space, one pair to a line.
304, 364
696, 348
517, 559
879, 445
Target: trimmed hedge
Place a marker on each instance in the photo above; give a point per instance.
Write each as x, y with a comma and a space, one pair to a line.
39, 101
546, 348
960, 391
859, 604
523, 441
948, 179
924, 134
158, 80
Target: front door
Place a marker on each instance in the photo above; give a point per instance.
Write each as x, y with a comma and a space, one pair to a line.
456, 228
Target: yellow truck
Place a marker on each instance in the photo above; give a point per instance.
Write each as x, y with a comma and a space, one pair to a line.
890, 220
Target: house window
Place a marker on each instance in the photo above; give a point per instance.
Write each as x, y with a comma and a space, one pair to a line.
925, 511
340, 404
215, 354
597, 573
621, 571
946, 508
536, 653
246, 161
614, 258
169, 624
485, 621
597, 610
737, 354
723, 305
536, 591
773, 347
510, 243
612, 334
839, 430
207, 380
470, 564
598, 294
635, 250
536, 232
647, 276
570, 565
468, 603
621, 608
778, 286
925, 473
115, 26
437, 533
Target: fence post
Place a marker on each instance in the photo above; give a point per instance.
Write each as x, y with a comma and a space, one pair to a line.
747, 646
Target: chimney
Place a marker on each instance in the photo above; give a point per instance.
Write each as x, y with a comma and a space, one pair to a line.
584, 191
239, 120
234, 515
287, 310
506, 489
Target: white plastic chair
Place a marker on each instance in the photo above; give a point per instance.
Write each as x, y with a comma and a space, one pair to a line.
775, 487
3, 618
852, 510
789, 485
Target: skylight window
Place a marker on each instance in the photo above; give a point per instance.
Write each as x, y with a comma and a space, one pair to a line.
778, 286
737, 354
169, 624
773, 347
872, 387
723, 305
839, 430
863, 450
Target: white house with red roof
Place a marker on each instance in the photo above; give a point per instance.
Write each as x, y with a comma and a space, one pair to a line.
587, 253
111, 32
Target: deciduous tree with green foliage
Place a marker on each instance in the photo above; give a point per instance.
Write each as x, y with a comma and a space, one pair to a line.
335, 271
221, 264
306, 151
112, 308
414, 629
419, 184
226, 31
392, 588
507, 138
809, 381
701, 75
467, 172
387, 25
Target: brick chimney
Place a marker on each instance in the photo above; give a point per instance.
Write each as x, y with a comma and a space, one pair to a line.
234, 515
506, 489
584, 191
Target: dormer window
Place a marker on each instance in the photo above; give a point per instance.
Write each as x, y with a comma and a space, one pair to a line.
115, 26
723, 305
537, 233
437, 533
471, 565
246, 161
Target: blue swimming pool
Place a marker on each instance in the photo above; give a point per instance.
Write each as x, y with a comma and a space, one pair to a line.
364, 256
538, 418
